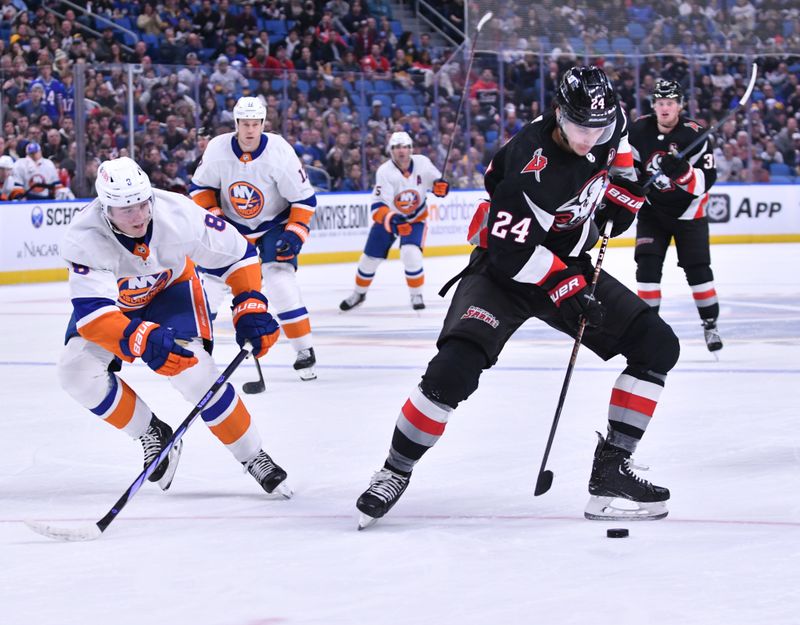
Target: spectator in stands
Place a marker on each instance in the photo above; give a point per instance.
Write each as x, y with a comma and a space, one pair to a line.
279, 64
375, 65
225, 79
207, 23
353, 180
729, 166
149, 22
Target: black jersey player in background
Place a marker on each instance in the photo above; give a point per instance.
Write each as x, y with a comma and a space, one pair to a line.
532, 260
676, 202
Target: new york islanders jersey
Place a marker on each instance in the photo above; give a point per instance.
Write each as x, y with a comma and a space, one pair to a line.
110, 273
404, 193
257, 190
30, 176
543, 198
649, 144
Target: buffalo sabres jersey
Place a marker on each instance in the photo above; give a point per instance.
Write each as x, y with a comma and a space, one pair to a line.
110, 273
29, 176
404, 193
649, 144
543, 198
257, 190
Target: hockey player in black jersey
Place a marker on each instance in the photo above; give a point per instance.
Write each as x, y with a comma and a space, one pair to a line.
561, 177
676, 202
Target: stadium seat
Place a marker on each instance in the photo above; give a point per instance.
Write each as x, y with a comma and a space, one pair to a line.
406, 100
382, 86
782, 179
636, 32
303, 85
397, 27
276, 28
491, 137
600, 46
779, 169
277, 84
622, 45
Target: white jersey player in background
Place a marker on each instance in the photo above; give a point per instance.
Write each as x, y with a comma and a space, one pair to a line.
6, 178
136, 293
399, 209
36, 178
256, 182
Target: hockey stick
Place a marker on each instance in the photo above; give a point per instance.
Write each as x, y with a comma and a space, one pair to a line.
545, 479
256, 386
94, 531
712, 129
478, 28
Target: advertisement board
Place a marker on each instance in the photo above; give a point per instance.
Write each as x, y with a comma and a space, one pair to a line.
30, 232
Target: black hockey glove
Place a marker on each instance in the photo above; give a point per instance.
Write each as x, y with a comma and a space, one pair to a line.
569, 291
622, 200
676, 169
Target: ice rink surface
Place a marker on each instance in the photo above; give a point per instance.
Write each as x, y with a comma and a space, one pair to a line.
468, 543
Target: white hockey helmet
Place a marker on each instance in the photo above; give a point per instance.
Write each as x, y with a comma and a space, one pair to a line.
399, 138
248, 108
121, 182
6, 162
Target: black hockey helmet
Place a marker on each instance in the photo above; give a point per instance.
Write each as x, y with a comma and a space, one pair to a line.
668, 89
586, 97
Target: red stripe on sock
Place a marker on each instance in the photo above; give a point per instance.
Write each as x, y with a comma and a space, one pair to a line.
629, 401
705, 294
420, 421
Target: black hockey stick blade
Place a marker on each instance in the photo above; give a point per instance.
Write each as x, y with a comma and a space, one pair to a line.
543, 482
256, 386
94, 531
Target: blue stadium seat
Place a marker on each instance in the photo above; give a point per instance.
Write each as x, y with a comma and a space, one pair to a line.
577, 45
601, 46
383, 86
622, 45
636, 32
276, 27
779, 169
277, 84
152, 41
491, 137
303, 86
782, 179
405, 100
397, 27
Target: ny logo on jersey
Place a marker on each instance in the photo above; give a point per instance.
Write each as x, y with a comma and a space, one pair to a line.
407, 201
573, 213
138, 291
536, 165
246, 199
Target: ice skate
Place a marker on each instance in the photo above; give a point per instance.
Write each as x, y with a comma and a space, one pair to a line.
353, 300
153, 441
384, 490
617, 493
713, 342
416, 302
304, 365
268, 474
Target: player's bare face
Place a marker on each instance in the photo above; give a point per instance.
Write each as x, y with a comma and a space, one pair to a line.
131, 220
581, 139
249, 134
667, 111
401, 155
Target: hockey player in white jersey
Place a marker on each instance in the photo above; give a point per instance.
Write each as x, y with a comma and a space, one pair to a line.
399, 209
254, 180
136, 294
6, 178
35, 178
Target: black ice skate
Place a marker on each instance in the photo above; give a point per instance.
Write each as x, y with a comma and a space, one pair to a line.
713, 342
416, 302
304, 365
268, 474
384, 490
153, 441
353, 300
617, 493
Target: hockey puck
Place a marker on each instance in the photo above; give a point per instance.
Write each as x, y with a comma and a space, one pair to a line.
617, 532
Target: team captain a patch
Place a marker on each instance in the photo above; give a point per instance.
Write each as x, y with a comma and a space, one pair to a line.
474, 312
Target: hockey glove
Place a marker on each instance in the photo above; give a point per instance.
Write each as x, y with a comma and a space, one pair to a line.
441, 187
676, 168
570, 293
253, 323
622, 200
156, 345
287, 246
398, 225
